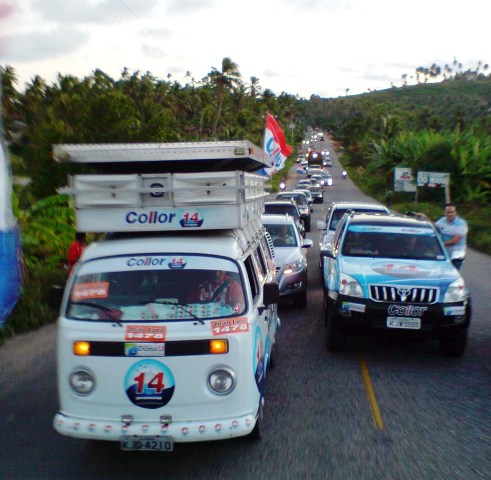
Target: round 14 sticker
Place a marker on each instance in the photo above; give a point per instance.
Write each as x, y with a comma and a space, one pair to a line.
149, 384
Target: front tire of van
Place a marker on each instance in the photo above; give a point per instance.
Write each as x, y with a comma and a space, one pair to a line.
258, 428
272, 356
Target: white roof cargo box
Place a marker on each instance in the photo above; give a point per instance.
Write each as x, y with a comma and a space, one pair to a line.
166, 157
179, 200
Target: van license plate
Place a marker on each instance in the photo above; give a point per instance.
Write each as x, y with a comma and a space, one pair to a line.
153, 444
407, 323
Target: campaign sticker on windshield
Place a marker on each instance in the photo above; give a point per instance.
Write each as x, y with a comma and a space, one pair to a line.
229, 325
145, 332
90, 291
177, 263
389, 229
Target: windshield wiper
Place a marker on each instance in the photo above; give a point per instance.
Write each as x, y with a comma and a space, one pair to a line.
108, 310
181, 307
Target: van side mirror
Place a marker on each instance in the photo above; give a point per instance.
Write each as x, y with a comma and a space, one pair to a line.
271, 293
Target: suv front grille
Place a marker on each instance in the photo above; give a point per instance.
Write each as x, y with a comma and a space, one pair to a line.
389, 293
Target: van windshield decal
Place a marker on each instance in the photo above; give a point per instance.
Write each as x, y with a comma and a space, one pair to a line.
158, 288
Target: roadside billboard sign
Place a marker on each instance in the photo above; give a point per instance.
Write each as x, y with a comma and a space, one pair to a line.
404, 180
433, 179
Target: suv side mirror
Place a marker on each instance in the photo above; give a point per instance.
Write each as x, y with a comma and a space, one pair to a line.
327, 250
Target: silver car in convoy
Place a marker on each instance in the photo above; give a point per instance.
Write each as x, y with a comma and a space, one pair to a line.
290, 257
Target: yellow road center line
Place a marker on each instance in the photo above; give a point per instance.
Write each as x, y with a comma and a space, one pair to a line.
377, 418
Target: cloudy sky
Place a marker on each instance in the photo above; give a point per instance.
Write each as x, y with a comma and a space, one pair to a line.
301, 47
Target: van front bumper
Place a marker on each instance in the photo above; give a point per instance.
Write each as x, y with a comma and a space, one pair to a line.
181, 432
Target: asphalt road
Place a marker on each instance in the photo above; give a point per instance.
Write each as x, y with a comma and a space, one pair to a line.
381, 410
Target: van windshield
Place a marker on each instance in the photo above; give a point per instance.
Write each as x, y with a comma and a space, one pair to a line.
156, 288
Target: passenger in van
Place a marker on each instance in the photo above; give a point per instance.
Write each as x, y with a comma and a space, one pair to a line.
222, 288
228, 290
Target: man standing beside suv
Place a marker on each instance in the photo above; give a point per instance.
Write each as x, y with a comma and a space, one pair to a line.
453, 230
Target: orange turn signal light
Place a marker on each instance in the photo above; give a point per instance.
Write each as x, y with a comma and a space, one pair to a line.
81, 348
218, 346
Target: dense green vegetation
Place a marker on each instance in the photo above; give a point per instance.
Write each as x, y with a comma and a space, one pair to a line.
441, 126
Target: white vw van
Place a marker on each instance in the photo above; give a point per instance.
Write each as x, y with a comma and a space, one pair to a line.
168, 324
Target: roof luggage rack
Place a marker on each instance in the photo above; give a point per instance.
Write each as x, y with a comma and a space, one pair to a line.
165, 157
177, 198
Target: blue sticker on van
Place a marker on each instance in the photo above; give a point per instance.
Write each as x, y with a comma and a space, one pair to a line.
258, 360
149, 384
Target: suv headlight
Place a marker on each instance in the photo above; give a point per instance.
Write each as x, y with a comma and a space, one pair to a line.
455, 292
349, 286
294, 267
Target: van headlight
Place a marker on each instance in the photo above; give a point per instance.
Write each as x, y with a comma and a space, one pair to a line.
349, 286
222, 380
82, 381
455, 292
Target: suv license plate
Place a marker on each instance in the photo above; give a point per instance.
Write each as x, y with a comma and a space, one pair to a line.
407, 323
149, 444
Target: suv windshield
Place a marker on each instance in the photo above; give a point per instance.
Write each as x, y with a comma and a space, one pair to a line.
156, 287
359, 241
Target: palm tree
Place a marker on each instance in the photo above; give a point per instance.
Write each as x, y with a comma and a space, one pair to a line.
188, 75
226, 79
253, 88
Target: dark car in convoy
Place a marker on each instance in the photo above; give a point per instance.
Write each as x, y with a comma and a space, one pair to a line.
282, 207
302, 203
391, 274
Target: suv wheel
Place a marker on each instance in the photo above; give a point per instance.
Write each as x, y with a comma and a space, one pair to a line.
335, 340
307, 225
454, 346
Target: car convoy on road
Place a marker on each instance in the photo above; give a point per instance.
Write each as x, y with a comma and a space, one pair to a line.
168, 326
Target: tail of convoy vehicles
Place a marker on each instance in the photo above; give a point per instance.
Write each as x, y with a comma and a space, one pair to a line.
148, 353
